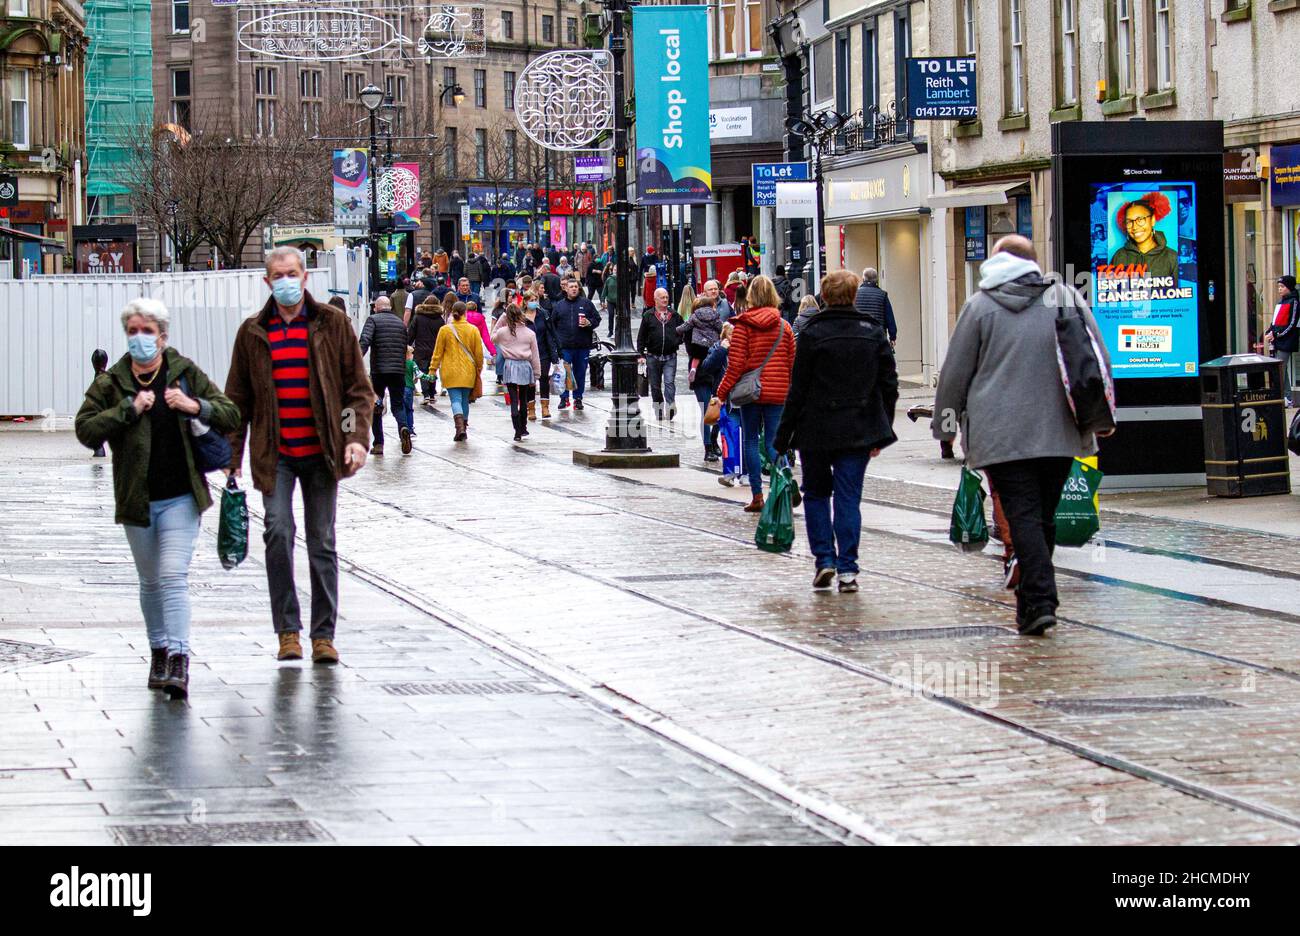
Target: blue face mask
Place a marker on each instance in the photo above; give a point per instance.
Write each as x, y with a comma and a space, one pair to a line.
142, 347
533, 304
287, 291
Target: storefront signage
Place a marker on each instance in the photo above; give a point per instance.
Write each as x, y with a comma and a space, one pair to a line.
1241, 176
8, 190
589, 169
1284, 181
670, 52
766, 175
727, 122
890, 187
941, 88
976, 238
713, 251
488, 199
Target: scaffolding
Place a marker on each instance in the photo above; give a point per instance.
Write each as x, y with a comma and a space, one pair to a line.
119, 95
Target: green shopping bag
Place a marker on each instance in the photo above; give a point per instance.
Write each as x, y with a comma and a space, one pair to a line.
232, 531
1076, 515
775, 531
968, 531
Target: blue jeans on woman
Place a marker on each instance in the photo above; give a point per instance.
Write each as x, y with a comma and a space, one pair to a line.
459, 397
703, 393
755, 418
162, 553
832, 506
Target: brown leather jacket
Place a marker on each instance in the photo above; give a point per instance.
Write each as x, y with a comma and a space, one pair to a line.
342, 398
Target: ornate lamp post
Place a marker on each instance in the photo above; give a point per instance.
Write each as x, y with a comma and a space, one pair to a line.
371, 97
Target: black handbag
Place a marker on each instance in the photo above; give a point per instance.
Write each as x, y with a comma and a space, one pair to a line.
212, 450
1088, 386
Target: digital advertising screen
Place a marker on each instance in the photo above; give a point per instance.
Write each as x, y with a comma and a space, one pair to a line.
1145, 293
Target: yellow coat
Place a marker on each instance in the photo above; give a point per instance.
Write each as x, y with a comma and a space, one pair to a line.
451, 360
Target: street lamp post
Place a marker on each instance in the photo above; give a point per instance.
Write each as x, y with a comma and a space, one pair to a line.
371, 97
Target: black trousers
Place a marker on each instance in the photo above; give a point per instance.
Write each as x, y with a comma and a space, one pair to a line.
395, 386
519, 394
1029, 491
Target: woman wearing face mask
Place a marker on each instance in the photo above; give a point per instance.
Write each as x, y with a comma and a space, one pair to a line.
548, 350
141, 407
518, 346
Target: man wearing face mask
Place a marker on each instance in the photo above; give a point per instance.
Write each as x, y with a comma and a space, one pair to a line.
299, 380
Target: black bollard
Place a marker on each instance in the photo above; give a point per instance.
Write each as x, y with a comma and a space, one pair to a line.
99, 361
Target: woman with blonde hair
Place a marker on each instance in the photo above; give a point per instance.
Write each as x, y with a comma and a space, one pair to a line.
808, 307
762, 342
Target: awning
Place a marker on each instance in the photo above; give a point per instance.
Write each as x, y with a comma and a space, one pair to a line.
969, 196
48, 244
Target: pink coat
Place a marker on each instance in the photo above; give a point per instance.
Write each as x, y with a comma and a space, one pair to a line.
476, 319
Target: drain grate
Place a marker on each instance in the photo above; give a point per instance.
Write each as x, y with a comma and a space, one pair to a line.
500, 687
920, 633
1135, 705
220, 833
676, 577
16, 653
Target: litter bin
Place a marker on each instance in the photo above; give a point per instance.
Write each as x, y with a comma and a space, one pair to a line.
1245, 426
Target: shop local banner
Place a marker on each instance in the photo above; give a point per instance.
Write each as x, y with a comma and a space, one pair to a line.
670, 52
351, 192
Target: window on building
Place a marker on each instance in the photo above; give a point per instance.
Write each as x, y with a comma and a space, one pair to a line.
1122, 70
870, 67
727, 28
451, 145
754, 28
843, 72
18, 8
823, 71
349, 92
966, 29
507, 24
548, 28
20, 120
902, 49
480, 87
512, 154
1014, 62
1066, 52
181, 98
309, 88
265, 82
480, 153
180, 16
571, 30
448, 82
510, 78
1161, 33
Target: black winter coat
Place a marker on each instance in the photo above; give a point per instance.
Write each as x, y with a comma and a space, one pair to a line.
658, 338
547, 350
564, 320
385, 333
456, 269
551, 283
843, 388
423, 334
1286, 336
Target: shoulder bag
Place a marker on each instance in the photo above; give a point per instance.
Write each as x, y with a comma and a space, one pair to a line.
211, 449
748, 388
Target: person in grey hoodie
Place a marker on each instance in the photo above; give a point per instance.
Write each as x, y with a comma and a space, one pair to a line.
1002, 385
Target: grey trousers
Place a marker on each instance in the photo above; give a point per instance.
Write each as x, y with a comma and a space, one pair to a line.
662, 373
319, 498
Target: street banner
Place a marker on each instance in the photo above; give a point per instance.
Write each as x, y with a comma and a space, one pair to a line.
351, 192
1144, 264
588, 169
670, 53
399, 195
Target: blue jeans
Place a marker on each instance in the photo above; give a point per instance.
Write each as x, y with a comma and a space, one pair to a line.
408, 406
459, 397
162, 553
576, 358
703, 393
832, 506
499, 363
756, 417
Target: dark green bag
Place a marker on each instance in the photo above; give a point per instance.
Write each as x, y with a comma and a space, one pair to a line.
775, 531
968, 531
232, 532
1076, 514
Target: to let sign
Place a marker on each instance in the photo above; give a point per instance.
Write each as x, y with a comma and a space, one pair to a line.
766, 175
941, 88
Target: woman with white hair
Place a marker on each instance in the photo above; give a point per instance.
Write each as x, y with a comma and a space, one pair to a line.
142, 407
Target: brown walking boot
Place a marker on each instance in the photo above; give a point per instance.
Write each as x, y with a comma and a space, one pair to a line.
756, 505
461, 434
546, 409
322, 651
532, 411
290, 648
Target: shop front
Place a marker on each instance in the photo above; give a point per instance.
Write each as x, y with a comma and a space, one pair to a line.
1249, 295
571, 215
499, 218
876, 216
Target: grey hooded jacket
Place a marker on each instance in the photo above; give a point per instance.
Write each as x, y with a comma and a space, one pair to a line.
1001, 379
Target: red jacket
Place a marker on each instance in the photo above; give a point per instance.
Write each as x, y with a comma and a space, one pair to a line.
755, 331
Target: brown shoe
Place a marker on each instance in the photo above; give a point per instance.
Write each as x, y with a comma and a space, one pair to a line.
461, 425
546, 409
756, 505
532, 411
322, 651
290, 648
